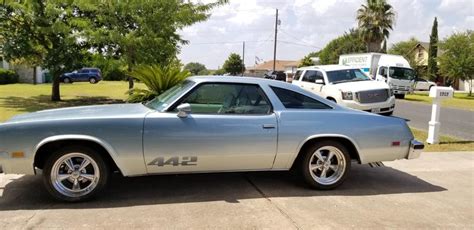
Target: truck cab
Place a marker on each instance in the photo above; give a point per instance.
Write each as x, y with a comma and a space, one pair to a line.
392, 69
347, 86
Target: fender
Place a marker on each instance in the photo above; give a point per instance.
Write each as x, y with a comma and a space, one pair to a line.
104, 144
324, 136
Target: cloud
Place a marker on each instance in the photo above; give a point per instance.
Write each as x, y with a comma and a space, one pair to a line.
310, 24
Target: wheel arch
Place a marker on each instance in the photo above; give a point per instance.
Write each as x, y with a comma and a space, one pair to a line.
54, 142
349, 143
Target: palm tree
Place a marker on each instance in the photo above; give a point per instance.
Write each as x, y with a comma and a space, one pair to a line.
157, 79
375, 18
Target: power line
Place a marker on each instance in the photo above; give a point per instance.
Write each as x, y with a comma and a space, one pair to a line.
302, 42
232, 42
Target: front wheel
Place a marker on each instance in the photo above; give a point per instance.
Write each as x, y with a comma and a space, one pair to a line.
325, 165
75, 174
92, 80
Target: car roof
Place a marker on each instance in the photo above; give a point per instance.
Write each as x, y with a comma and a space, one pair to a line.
327, 67
239, 79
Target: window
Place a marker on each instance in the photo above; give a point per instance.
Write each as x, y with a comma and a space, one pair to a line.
297, 75
311, 76
293, 100
383, 71
224, 98
346, 75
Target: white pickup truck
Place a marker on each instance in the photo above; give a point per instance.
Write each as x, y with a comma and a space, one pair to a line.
347, 86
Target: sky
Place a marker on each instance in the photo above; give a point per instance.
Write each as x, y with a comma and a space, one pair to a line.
307, 26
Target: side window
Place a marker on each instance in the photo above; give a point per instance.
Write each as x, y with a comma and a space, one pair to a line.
293, 100
383, 71
297, 75
310, 76
319, 75
222, 98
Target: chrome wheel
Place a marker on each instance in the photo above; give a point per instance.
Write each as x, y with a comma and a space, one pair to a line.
75, 175
327, 165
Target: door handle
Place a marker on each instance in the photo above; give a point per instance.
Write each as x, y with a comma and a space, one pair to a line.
268, 126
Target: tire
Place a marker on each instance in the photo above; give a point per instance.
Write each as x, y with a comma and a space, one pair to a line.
67, 80
335, 175
93, 80
60, 180
387, 114
400, 96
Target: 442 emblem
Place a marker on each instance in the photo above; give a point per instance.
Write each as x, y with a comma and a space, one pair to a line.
174, 161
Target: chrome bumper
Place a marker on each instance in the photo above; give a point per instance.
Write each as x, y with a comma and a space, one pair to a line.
416, 148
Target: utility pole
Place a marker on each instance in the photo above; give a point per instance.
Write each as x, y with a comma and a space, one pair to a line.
243, 57
275, 41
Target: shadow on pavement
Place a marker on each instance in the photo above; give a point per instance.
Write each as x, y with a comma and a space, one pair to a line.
27, 192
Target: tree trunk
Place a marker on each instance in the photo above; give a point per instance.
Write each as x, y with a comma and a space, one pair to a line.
55, 94
130, 82
373, 47
34, 75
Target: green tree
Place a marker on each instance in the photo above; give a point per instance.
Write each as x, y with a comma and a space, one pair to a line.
50, 33
307, 61
157, 79
375, 19
63, 34
350, 42
146, 32
457, 61
406, 49
195, 68
234, 64
433, 52
219, 72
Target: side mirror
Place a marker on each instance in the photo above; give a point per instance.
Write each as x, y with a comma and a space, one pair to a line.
319, 81
184, 110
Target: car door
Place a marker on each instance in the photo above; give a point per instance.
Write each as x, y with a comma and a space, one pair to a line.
230, 127
308, 81
421, 84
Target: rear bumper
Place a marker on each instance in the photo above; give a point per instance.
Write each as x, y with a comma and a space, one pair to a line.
416, 148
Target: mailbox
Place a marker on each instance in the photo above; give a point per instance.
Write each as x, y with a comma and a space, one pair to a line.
441, 92
438, 94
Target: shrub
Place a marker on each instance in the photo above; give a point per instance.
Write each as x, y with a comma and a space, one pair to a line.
157, 79
8, 77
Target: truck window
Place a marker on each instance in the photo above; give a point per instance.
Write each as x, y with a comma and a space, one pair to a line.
297, 75
383, 71
401, 73
309, 76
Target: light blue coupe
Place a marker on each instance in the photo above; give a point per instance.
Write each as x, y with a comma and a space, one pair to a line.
205, 124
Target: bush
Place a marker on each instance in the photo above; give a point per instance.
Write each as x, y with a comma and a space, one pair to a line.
8, 77
114, 75
157, 79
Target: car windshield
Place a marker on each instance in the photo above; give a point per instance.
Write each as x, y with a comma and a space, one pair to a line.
163, 100
401, 73
346, 75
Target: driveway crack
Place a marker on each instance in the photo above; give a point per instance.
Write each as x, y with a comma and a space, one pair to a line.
285, 214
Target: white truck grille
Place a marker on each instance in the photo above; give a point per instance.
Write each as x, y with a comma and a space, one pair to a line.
372, 96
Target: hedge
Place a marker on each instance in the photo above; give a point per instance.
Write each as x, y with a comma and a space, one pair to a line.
8, 77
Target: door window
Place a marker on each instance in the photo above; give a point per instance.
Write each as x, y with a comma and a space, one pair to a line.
223, 98
293, 100
312, 75
297, 75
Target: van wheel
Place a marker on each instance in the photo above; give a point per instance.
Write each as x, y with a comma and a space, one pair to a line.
93, 80
325, 165
75, 174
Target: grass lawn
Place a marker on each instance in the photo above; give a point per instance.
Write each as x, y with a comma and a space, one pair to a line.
22, 98
446, 143
460, 100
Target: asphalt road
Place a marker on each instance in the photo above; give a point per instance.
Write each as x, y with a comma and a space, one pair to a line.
435, 191
454, 122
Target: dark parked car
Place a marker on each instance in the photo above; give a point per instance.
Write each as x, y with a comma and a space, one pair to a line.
92, 75
275, 75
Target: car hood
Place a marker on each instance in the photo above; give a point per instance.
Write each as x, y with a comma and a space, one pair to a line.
357, 86
85, 112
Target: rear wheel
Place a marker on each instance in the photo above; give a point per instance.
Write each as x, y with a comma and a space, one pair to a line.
92, 80
67, 80
325, 165
75, 174
388, 113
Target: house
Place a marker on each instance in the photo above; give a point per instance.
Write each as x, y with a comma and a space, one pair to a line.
259, 70
420, 53
26, 73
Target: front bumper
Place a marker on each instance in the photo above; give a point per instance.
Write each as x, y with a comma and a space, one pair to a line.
416, 148
379, 107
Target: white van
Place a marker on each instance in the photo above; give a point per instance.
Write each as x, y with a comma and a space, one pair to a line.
392, 69
347, 86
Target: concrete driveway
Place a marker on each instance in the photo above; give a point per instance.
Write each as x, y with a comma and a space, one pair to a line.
435, 191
